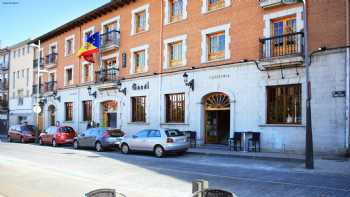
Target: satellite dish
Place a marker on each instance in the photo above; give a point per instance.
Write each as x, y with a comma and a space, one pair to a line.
37, 109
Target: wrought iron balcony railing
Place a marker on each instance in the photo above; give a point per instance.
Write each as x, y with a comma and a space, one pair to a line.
4, 65
50, 86
284, 45
41, 89
4, 104
36, 62
106, 75
110, 39
51, 58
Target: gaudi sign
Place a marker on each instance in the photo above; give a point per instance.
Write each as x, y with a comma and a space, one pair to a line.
140, 86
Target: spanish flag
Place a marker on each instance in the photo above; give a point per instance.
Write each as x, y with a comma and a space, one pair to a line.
90, 47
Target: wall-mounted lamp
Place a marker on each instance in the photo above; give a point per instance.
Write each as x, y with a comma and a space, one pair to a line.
94, 94
55, 97
119, 87
188, 83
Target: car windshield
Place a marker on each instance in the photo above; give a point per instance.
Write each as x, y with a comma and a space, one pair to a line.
67, 129
27, 128
174, 133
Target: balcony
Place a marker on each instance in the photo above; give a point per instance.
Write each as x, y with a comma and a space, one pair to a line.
50, 86
284, 45
41, 89
51, 60
4, 66
107, 75
270, 3
110, 40
35, 63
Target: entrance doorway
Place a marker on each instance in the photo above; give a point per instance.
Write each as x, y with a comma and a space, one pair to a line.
52, 115
217, 118
109, 114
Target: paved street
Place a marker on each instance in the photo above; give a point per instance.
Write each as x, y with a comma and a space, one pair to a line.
32, 170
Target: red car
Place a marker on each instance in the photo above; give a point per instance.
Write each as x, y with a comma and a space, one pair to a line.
21, 133
57, 136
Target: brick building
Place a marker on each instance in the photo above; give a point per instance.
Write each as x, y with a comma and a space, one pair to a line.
215, 67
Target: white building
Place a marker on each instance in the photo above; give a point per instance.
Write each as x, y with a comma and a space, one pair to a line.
21, 84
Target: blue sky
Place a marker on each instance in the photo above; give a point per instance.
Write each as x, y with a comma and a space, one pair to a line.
23, 19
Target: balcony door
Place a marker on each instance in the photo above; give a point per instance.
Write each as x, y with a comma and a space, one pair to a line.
284, 39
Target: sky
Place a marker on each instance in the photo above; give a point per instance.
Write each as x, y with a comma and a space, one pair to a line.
23, 19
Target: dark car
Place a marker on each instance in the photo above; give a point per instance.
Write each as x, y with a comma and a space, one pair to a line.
57, 135
21, 133
99, 138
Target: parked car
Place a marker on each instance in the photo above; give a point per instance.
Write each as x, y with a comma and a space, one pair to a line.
21, 133
157, 141
57, 135
99, 138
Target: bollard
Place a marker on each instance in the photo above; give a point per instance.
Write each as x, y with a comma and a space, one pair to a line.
198, 186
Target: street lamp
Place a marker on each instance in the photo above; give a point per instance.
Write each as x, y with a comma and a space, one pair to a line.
94, 94
188, 83
119, 87
309, 152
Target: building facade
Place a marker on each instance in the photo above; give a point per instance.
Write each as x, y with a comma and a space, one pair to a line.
4, 107
20, 84
214, 67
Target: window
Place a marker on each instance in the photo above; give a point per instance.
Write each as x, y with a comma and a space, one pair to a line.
68, 76
175, 107
14, 80
154, 133
138, 104
69, 45
18, 52
175, 10
216, 46
14, 54
86, 73
142, 134
87, 110
284, 41
69, 111
212, 5
20, 97
140, 19
139, 61
18, 74
284, 104
216, 43
22, 73
175, 54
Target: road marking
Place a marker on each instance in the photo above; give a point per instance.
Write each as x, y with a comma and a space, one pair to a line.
250, 179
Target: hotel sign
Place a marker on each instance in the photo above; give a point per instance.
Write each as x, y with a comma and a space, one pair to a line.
136, 86
219, 76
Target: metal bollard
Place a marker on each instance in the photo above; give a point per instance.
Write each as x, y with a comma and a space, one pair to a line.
198, 186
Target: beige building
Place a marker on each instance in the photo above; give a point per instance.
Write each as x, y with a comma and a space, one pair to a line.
20, 84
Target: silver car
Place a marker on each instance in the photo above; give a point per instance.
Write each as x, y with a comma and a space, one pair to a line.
98, 138
158, 141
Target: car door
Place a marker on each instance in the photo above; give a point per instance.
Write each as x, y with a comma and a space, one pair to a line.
154, 137
82, 138
12, 132
52, 134
138, 141
91, 138
18, 133
45, 137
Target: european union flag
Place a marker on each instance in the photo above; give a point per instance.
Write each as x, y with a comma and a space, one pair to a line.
94, 39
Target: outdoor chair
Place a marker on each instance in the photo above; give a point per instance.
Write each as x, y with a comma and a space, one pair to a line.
235, 142
254, 142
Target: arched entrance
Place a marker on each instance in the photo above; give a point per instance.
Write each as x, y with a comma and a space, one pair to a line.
217, 118
109, 114
52, 115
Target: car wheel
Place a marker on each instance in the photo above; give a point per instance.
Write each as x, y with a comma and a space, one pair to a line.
9, 139
125, 149
22, 140
158, 151
54, 144
41, 142
75, 144
98, 147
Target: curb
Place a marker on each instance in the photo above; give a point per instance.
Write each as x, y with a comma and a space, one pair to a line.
269, 158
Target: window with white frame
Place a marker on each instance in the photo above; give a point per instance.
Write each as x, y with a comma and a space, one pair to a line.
87, 70
139, 59
175, 52
87, 32
69, 45
140, 19
212, 5
68, 75
175, 10
216, 43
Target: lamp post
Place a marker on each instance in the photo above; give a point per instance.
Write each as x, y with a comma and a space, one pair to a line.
309, 152
119, 87
38, 88
188, 83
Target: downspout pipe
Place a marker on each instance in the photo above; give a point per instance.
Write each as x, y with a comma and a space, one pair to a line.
347, 132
